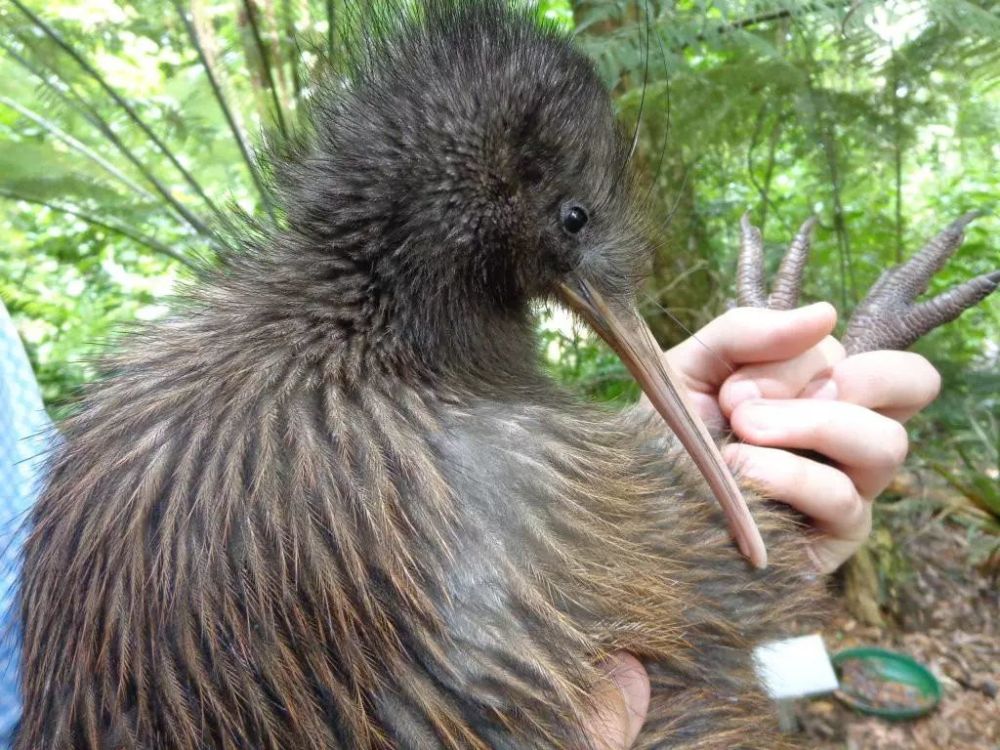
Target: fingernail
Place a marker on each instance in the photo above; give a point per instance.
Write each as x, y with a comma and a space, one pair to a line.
758, 416
741, 390
821, 389
734, 457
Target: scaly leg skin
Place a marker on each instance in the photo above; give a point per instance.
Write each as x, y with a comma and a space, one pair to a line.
889, 317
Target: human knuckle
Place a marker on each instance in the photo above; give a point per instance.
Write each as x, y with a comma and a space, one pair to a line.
797, 473
816, 434
844, 499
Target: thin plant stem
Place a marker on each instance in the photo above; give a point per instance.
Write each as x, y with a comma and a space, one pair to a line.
331, 21
72, 99
155, 245
226, 111
251, 11
79, 147
127, 108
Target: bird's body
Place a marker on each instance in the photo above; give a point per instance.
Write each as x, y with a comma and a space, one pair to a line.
393, 562
335, 502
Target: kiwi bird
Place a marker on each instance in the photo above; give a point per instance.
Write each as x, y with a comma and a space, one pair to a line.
334, 501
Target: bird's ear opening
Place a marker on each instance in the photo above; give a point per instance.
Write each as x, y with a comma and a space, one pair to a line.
624, 330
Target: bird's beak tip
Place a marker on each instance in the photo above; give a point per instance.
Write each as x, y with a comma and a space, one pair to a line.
626, 332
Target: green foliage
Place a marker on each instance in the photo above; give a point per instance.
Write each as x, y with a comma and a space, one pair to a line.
127, 129
559, 12
876, 117
963, 434
576, 358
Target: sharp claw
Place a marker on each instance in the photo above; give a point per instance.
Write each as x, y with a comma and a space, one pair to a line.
888, 319
788, 282
947, 306
965, 219
913, 276
750, 268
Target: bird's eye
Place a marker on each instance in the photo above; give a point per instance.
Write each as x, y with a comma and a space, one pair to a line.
574, 219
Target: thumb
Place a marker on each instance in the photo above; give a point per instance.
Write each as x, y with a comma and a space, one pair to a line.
621, 701
746, 335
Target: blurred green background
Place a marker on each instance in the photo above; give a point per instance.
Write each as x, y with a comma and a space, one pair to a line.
127, 130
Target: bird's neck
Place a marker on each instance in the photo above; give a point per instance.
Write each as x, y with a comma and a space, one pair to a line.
331, 307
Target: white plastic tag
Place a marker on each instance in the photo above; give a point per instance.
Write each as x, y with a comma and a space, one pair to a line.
795, 667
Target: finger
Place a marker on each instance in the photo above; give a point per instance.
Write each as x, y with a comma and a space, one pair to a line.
747, 335
621, 703
819, 491
705, 406
784, 379
896, 384
868, 446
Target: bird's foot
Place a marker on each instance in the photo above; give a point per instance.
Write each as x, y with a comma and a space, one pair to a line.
889, 317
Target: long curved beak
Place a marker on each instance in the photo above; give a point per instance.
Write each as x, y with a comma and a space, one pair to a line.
628, 334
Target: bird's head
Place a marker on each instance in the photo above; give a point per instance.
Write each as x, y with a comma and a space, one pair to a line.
471, 154
471, 165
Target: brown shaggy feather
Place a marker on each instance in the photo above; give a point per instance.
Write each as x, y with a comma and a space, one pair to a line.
335, 502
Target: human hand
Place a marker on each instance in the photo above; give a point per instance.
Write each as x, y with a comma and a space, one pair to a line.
794, 390
620, 702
